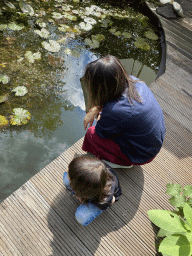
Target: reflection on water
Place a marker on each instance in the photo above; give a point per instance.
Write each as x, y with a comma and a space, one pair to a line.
55, 97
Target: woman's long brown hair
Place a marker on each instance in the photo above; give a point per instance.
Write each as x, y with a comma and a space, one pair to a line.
89, 178
106, 80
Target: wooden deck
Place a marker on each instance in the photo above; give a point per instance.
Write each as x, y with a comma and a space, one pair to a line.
38, 219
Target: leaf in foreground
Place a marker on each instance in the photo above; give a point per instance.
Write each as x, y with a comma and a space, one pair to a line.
4, 79
20, 90
178, 200
21, 116
3, 121
175, 245
15, 26
52, 46
187, 191
173, 189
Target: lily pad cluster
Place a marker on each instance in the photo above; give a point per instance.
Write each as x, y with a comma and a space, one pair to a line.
20, 116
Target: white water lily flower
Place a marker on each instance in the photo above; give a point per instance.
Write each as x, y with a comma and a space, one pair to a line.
42, 33
85, 26
90, 21
21, 116
20, 90
52, 46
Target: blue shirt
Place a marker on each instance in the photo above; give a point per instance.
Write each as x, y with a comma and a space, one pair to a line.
137, 128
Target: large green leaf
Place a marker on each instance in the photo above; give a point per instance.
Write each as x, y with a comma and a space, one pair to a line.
166, 220
177, 200
187, 191
173, 189
175, 245
188, 214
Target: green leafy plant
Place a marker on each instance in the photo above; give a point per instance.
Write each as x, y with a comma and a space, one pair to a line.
175, 226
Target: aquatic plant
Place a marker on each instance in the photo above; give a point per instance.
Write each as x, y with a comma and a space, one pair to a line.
20, 90
21, 116
3, 121
175, 226
4, 79
52, 46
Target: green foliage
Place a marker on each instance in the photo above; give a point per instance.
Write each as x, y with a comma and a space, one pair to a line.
175, 226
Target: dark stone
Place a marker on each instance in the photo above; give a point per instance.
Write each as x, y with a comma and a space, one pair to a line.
166, 11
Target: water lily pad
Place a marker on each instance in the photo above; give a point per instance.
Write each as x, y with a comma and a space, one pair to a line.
98, 37
90, 21
4, 79
3, 121
106, 22
41, 23
26, 8
52, 46
75, 11
76, 1
15, 26
151, 35
67, 51
66, 28
92, 43
57, 15
32, 56
69, 16
3, 98
62, 40
117, 33
21, 116
3, 27
42, 33
67, 8
9, 4
20, 90
85, 26
140, 43
113, 30
126, 35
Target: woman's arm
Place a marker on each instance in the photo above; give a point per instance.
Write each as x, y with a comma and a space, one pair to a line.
89, 118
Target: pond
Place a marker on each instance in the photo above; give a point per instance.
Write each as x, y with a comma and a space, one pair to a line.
44, 48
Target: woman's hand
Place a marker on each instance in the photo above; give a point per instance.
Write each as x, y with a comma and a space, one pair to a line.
89, 118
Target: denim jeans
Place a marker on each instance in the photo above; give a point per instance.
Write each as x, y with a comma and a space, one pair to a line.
85, 213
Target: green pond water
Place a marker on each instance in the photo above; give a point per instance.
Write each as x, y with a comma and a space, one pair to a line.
44, 47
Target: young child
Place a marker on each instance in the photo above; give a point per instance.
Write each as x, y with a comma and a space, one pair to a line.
94, 183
